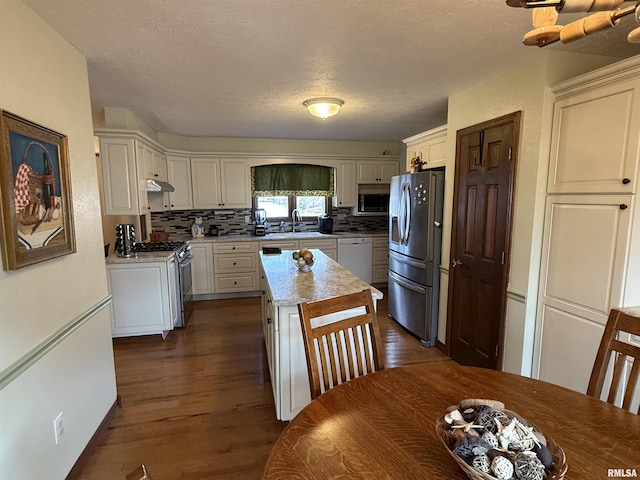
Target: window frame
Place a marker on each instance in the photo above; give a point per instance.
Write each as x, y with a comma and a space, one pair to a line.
291, 201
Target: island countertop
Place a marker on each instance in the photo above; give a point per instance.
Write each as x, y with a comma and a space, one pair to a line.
327, 279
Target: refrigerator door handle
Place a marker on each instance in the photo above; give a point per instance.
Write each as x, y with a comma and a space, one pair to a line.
401, 215
407, 261
406, 212
403, 282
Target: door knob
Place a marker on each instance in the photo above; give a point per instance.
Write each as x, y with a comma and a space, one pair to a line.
456, 263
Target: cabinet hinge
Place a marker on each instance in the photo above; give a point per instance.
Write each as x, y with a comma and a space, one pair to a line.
510, 153
497, 350
503, 258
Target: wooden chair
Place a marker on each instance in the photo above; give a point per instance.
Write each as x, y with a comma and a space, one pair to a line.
620, 321
139, 473
344, 349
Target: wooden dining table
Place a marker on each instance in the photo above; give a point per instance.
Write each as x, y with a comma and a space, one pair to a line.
382, 426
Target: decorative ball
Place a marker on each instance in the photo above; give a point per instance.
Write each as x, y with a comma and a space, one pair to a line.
482, 463
488, 420
491, 439
528, 466
544, 455
502, 468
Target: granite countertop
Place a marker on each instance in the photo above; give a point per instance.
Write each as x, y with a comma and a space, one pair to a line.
287, 236
290, 286
147, 257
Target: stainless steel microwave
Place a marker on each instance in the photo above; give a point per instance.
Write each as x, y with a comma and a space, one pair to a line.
373, 203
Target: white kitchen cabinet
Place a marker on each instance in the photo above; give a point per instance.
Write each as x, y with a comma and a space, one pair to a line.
346, 185
376, 171
220, 182
202, 268
594, 145
179, 175
124, 186
430, 146
380, 261
590, 244
235, 266
144, 297
328, 246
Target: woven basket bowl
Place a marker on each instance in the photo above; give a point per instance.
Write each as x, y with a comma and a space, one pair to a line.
559, 460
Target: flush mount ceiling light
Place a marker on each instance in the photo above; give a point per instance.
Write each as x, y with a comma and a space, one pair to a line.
323, 107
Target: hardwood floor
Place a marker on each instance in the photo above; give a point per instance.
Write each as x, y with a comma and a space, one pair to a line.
199, 404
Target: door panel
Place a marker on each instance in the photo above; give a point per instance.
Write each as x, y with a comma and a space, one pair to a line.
480, 240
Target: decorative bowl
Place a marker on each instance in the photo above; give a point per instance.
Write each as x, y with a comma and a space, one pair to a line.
303, 268
444, 430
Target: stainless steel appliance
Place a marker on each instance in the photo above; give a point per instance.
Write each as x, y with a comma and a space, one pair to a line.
415, 240
373, 203
260, 228
325, 224
182, 251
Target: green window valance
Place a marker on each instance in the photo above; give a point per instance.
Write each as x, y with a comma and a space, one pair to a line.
292, 179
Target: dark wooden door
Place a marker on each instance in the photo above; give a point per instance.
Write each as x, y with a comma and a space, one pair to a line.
485, 166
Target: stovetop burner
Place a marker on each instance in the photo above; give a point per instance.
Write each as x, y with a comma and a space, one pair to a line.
158, 246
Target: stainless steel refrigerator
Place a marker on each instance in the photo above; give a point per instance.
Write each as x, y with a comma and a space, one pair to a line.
415, 241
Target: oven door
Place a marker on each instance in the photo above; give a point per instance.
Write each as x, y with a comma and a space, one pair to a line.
186, 290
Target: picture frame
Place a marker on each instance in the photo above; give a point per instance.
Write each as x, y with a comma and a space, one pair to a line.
36, 210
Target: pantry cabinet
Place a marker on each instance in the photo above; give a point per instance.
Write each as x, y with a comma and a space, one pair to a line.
376, 171
179, 175
591, 238
220, 183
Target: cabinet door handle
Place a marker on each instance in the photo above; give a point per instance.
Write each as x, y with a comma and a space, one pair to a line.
623, 206
625, 181
234, 264
268, 319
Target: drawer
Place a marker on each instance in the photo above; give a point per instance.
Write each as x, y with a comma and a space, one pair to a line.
324, 244
282, 245
332, 254
380, 274
239, 247
381, 256
234, 263
380, 242
240, 282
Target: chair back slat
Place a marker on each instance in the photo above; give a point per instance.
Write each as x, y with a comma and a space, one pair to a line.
344, 349
624, 356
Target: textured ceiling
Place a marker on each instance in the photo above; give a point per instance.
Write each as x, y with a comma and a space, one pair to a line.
242, 68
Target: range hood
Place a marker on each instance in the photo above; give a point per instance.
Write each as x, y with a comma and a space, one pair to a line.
159, 186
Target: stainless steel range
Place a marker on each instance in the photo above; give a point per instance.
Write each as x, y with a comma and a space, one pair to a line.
182, 251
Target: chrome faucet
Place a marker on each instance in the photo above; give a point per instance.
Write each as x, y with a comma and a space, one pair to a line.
295, 217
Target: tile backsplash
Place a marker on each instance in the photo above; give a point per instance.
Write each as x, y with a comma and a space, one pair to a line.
232, 222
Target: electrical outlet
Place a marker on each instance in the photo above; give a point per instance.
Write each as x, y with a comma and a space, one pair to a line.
58, 428
247, 218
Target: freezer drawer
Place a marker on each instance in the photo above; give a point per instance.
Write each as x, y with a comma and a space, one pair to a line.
413, 269
410, 304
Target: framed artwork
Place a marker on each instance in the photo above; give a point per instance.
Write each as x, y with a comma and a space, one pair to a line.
35, 193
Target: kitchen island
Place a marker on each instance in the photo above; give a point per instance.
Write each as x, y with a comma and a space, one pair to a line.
283, 287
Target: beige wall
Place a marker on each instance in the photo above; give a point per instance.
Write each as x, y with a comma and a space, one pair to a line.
44, 79
524, 88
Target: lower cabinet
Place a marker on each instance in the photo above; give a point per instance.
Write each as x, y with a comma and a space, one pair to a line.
328, 246
380, 261
202, 268
235, 267
144, 297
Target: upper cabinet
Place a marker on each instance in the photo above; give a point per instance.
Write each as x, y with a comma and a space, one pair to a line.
594, 144
124, 186
220, 183
346, 187
429, 146
376, 171
179, 175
